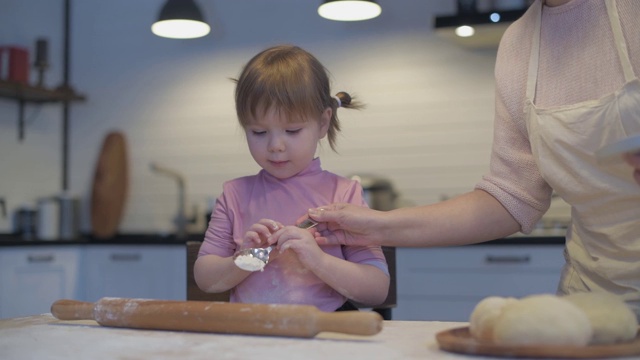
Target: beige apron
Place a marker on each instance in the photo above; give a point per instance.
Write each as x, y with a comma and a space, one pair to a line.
603, 240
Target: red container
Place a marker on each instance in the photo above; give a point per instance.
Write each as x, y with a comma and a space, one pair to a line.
14, 64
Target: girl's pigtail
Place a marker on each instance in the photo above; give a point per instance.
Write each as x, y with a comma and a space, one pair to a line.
343, 99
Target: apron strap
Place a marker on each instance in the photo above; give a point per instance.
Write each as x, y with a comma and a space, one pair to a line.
532, 78
621, 45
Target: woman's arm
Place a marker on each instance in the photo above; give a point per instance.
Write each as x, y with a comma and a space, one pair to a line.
469, 218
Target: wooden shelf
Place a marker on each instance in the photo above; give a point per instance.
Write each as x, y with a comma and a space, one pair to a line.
36, 94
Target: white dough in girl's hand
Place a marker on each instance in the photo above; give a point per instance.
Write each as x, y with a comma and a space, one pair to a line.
542, 320
611, 319
484, 316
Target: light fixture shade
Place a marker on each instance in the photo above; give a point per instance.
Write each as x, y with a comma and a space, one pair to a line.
349, 10
180, 19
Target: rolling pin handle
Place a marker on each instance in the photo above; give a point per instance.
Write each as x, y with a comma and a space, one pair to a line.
72, 310
351, 322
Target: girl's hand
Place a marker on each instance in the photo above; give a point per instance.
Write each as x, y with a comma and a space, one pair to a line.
260, 233
633, 159
300, 241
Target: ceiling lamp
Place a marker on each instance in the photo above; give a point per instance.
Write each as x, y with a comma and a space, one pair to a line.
349, 10
180, 19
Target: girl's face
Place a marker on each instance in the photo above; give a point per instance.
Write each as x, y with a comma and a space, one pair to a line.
284, 148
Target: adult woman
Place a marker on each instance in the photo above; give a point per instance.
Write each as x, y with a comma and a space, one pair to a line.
566, 84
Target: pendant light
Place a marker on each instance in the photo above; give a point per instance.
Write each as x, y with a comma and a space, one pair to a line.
180, 19
349, 10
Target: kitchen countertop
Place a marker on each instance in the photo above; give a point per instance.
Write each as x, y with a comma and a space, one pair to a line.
152, 239
44, 337
121, 239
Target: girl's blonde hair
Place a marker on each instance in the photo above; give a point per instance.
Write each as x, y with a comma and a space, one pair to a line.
291, 80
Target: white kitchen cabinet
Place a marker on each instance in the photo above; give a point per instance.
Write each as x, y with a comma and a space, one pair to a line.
33, 277
445, 284
134, 271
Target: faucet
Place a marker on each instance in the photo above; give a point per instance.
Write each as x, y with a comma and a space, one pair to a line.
180, 220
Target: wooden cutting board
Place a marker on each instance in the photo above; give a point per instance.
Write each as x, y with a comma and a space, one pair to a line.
459, 340
110, 186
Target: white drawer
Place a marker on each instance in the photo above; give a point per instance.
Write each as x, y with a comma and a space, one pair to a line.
135, 271
446, 283
477, 285
434, 310
33, 277
40, 256
502, 257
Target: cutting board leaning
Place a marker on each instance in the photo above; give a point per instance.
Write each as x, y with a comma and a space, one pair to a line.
110, 186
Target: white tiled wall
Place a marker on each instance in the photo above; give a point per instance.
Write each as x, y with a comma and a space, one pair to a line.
427, 127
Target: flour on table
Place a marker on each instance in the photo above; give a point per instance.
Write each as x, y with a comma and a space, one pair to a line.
249, 263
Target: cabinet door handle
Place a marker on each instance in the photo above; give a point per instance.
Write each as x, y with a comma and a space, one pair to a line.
507, 259
40, 258
125, 257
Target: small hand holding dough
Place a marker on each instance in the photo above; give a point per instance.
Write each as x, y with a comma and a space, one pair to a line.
542, 320
611, 319
484, 316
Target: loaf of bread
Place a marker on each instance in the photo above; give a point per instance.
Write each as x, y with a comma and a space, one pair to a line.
611, 319
542, 320
574, 320
485, 314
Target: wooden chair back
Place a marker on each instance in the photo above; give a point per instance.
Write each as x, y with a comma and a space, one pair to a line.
193, 291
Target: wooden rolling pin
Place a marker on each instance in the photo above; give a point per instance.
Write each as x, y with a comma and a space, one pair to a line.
218, 317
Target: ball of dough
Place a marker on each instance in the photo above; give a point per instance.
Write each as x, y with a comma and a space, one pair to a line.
542, 320
611, 319
484, 316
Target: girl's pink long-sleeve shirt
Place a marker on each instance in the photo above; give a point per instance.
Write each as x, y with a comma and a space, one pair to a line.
285, 280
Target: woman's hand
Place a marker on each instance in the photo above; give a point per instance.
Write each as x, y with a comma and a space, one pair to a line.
466, 219
633, 159
347, 224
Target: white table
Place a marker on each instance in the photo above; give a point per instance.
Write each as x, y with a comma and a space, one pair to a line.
44, 337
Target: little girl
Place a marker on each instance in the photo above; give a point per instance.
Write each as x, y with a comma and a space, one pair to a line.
284, 105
